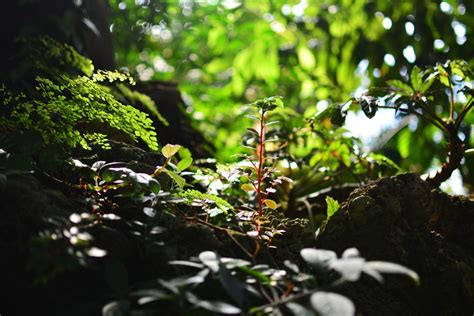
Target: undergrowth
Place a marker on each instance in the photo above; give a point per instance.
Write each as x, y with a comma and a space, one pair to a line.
250, 206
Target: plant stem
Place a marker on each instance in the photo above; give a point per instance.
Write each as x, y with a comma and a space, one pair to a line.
451, 101
464, 112
159, 170
260, 153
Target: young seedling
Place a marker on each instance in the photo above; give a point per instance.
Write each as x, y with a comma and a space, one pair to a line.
169, 151
260, 178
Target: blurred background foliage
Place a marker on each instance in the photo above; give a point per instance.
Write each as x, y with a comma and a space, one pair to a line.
313, 52
226, 53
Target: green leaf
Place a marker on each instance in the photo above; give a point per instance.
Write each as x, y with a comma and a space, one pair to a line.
184, 152
271, 204
247, 187
176, 177
306, 57
184, 164
269, 104
443, 76
416, 78
332, 304
401, 86
383, 161
256, 274
332, 206
428, 82
404, 141
170, 150
154, 186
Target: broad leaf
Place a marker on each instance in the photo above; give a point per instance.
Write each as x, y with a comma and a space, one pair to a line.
332, 304
271, 204
247, 187
154, 186
184, 164
332, 206
401, 86
428, 82
306, 57
299, 310
210, 259
176, 177
349, 268
443, 76
170, 150
416, 78
318, 257
390, 267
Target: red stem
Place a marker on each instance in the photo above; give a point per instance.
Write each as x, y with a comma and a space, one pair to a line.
261, 149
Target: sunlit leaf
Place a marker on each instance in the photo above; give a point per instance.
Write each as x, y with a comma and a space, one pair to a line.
299, 310
390, 267
117, 308
271, 204
176, 178
170, 150
184, 164
210, 259
428, 83
247, 187
404, 141
332, 304
332, 206
416, 78
306, 57
401, 86
443, 76
349, 268
318, 257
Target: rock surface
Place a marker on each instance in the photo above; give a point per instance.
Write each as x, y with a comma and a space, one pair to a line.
401, 219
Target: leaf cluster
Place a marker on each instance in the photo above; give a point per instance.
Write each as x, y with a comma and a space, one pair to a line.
74, 110
240, 287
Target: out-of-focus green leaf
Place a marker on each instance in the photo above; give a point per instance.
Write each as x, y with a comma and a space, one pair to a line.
401, 86
416, 78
